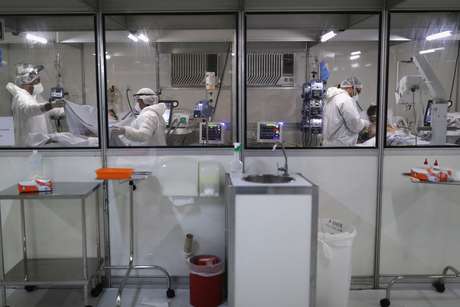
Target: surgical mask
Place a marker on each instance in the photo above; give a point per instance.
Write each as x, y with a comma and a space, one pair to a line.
150, 100
137, 108
38, 89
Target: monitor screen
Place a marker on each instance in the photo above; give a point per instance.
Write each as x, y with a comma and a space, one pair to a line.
170, 105
427, 117
167, 114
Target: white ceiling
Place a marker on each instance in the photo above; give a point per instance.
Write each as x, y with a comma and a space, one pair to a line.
219, 28
30, 6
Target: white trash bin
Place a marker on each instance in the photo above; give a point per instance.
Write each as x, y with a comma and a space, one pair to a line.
335, 241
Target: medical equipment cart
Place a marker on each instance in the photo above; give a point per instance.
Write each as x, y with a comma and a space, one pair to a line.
170, 293
438, 280
32, 272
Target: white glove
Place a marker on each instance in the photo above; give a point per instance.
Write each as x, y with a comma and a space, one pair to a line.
52, 105
59, 103
118, 130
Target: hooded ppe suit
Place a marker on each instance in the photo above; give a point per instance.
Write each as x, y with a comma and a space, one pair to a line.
342, 120
28, 116
149, 127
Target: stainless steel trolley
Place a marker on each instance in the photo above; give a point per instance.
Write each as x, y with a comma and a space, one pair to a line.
32, 272
170, 293
438, 280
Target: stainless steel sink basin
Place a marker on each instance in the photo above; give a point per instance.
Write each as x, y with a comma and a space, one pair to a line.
267, 178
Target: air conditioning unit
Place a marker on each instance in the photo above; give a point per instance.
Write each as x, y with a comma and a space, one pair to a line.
269, 69
189, 69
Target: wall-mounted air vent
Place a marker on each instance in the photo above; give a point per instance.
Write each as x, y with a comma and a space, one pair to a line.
268, 69
189, 69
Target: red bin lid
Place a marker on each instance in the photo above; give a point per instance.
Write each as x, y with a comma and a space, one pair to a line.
205, 260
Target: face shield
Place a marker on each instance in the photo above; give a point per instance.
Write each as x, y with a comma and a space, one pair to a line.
28, 74
147, 96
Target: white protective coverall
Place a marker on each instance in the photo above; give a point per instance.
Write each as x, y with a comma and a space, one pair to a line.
29, 119
149, 127
342, 120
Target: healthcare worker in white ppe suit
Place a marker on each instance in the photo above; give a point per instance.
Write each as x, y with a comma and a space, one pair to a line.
148, 129
342, 119
31, 116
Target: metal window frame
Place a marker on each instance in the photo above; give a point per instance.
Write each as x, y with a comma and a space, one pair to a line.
408, 11
99, 111
373, 281
234, 88
313, 12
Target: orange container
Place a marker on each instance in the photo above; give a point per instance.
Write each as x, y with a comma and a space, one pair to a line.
110, 173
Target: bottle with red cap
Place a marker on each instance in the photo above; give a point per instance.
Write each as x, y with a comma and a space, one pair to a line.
436, 167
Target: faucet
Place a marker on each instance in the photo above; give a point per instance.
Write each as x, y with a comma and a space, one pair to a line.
285, 168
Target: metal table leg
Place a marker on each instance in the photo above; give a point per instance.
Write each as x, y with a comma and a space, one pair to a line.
84, 252
131, 221
96, 283
98, 225
123, 284
132, 188
24, 240
106, 221
3, 261
170, 293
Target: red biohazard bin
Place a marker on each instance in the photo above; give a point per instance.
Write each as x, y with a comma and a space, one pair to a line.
206, 281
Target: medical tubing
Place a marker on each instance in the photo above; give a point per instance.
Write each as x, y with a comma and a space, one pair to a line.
455, 73
221, 80
127, 99
415, 118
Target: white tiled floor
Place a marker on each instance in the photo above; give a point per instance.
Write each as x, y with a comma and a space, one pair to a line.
157, 298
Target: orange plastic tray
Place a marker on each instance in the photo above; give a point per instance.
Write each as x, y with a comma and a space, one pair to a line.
114, 173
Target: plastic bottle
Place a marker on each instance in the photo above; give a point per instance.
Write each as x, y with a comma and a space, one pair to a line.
425, 164
35, 165
236, 166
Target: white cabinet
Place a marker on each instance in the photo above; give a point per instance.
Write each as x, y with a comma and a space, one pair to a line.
271, 239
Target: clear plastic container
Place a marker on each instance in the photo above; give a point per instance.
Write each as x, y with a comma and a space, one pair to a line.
236, 166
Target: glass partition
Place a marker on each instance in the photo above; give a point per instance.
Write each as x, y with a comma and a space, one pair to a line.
423, 84
171, 80
312, 79
48, 85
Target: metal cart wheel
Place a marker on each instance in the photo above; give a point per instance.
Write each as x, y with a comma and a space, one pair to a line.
439, 286
385, 302
97, 290
170, 293
30, 288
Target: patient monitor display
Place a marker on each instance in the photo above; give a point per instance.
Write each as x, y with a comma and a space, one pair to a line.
269, 132
212, 133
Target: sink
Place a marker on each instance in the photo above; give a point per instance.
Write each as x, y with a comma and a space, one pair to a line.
268, 178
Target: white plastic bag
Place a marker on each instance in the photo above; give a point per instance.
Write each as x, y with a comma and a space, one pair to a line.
335, 241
